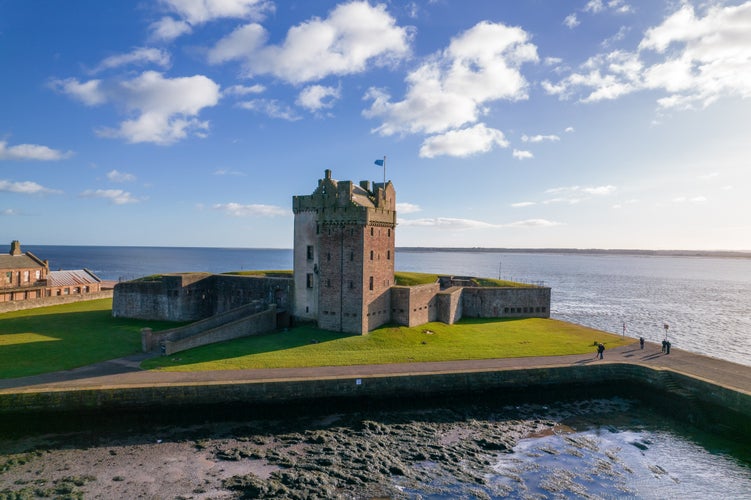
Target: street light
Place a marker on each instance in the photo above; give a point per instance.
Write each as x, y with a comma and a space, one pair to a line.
666, 326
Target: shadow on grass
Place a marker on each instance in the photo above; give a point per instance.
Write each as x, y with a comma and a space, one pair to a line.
291, 338
40, 342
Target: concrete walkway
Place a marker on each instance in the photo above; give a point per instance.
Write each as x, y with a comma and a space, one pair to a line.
125, 372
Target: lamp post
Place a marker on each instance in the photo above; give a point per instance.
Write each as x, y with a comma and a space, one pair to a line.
666, 326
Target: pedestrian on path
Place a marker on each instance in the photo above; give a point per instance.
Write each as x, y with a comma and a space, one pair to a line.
600, 349
667, 347
641, 342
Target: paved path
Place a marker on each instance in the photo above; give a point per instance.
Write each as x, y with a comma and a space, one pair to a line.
125, 372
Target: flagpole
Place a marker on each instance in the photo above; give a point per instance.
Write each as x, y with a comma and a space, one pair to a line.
384, 172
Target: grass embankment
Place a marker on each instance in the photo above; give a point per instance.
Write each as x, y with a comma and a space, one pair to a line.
67, 336
411, 279
468, 339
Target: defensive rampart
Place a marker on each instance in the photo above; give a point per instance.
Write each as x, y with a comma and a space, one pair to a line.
701, 401
20, 305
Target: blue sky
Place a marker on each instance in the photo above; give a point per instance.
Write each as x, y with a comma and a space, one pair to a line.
537, 123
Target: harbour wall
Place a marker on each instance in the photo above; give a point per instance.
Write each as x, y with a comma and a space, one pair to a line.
697, 401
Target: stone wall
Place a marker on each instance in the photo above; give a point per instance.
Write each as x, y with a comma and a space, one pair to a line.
256, 324
194, 296
415, 305
450, 308
20, 305
700, 401
532, 302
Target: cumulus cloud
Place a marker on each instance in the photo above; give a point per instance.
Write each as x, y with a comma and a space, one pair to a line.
242, 90
25, 187
451, 88
576, 194
540, 138
164, 109
90, 93
463, 142
353, 38
317, 97
202, 11
407, 208
692, 59
169, 28
239, 210
521, 204
271, 108
571, 21
522, 155
115, 196
31, 152
139, 56
224, 171
115, 176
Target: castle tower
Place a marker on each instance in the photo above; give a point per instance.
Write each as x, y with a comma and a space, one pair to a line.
344, 254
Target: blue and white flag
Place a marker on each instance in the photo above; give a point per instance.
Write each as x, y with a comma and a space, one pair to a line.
379, 163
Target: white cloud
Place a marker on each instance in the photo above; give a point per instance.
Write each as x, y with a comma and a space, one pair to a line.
694, 199
238, 210
522, 155
354, 38
202, 11
116, 176
594, 6
165, 109
10, 212
242, 90
463, 142
407, 208
576, 194
223, 171
31, 152
540, 138
271, 108
446, 223
693, 60
115, 196
316, 97
571, 21
450, 89
521, 204
599, 190
25, 187
168, 28
533, 223
90, 93
140, 56
569, 130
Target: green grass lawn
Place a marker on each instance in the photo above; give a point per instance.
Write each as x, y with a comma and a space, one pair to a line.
468, 339
66, 336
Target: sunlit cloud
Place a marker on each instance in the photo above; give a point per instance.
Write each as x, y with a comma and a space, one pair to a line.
114, 196
25, 187
31, 152
407, 208
116, 176
252, 210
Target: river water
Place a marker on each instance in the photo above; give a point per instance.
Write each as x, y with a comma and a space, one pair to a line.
588, 448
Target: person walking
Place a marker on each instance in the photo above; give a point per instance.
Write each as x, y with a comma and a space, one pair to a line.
667, 347
600, 349
641, 342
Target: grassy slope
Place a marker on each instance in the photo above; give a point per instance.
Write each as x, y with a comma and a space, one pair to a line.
469, 339
66, 336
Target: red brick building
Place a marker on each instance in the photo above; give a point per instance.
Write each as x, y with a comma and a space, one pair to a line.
344, 254
24, 276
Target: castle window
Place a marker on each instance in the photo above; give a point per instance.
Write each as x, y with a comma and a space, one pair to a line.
388, 254
328, 283
310, 252
309, 281
371, 255
389, 233
351, 256
351, 285
328, 256
371, 283
26, 276
9, 277
318, 229
371, 231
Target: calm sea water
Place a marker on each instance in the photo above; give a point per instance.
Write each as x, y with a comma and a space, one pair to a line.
706, 302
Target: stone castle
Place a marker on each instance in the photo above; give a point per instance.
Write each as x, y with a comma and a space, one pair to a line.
343, 280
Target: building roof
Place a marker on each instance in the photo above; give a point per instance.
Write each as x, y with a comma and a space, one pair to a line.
71, 278
23, 261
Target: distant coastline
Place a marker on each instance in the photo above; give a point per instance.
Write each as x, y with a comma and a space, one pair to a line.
588, 251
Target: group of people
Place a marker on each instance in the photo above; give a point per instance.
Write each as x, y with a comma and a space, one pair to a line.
665, 347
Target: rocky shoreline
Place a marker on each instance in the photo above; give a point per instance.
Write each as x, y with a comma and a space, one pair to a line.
358, 455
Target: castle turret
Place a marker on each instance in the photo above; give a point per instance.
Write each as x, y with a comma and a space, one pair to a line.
344, 254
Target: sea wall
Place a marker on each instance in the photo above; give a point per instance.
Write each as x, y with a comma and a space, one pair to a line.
699, 401
21, 305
